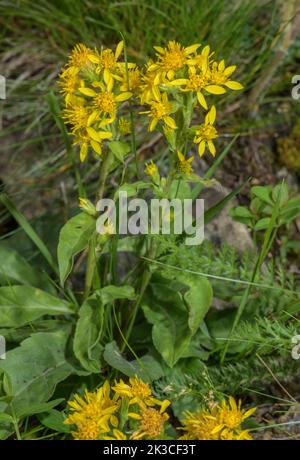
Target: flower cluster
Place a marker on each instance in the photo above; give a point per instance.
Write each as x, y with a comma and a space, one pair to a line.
96, 83
123, 411
221, 422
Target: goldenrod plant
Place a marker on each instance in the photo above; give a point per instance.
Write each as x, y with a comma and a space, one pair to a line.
134, 325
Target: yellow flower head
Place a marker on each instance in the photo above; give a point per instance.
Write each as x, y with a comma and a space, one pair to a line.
151, 423
172, 58
93, 413
206, 133
104, 101
184, 165
160, 109
223, 421
79, 58
220, 76
106, 62
151, 169
124, 126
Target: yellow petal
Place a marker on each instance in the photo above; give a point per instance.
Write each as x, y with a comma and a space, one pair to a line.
215, 89
123, 96
211, 148
234, 85
93, 58
201, 148
93, 134
178, 82
170, 74
221, 66
191, 49
205, 51
83, 152
88, 92
170, 122
153, 124
212, 115
92, 118
156, 93
229, 70
96, 147
201, 100
119, 49
104, 135
159, 49
106, 76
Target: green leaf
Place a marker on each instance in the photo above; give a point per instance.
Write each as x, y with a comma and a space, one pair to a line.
15, 268
198, 298
146, 368
87, 346
54, 420
262, 224
166, 311
23, 304
263, 193
34, 369
73, 238
119, 149
132, 189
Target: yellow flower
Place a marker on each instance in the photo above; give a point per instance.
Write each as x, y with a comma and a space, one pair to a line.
222, 422
90, 138
79, 59
124, 126
108, 228
130, 79
172, 58
151, 168
160, 110
151, 423
230, 414
104, 101
220, 77
69, 84
138, 392
107, 62
199, 425
93, 413
184, 165
149, 87
206, 133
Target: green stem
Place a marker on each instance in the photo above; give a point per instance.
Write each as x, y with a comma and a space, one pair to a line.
92, 259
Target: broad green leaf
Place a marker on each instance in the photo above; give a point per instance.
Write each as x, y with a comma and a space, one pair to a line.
54, 420
15, 268
132, 189
20, 305
88, 347
198, 298
165, 310
73, 238
33, 370
119, 149
146, 368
